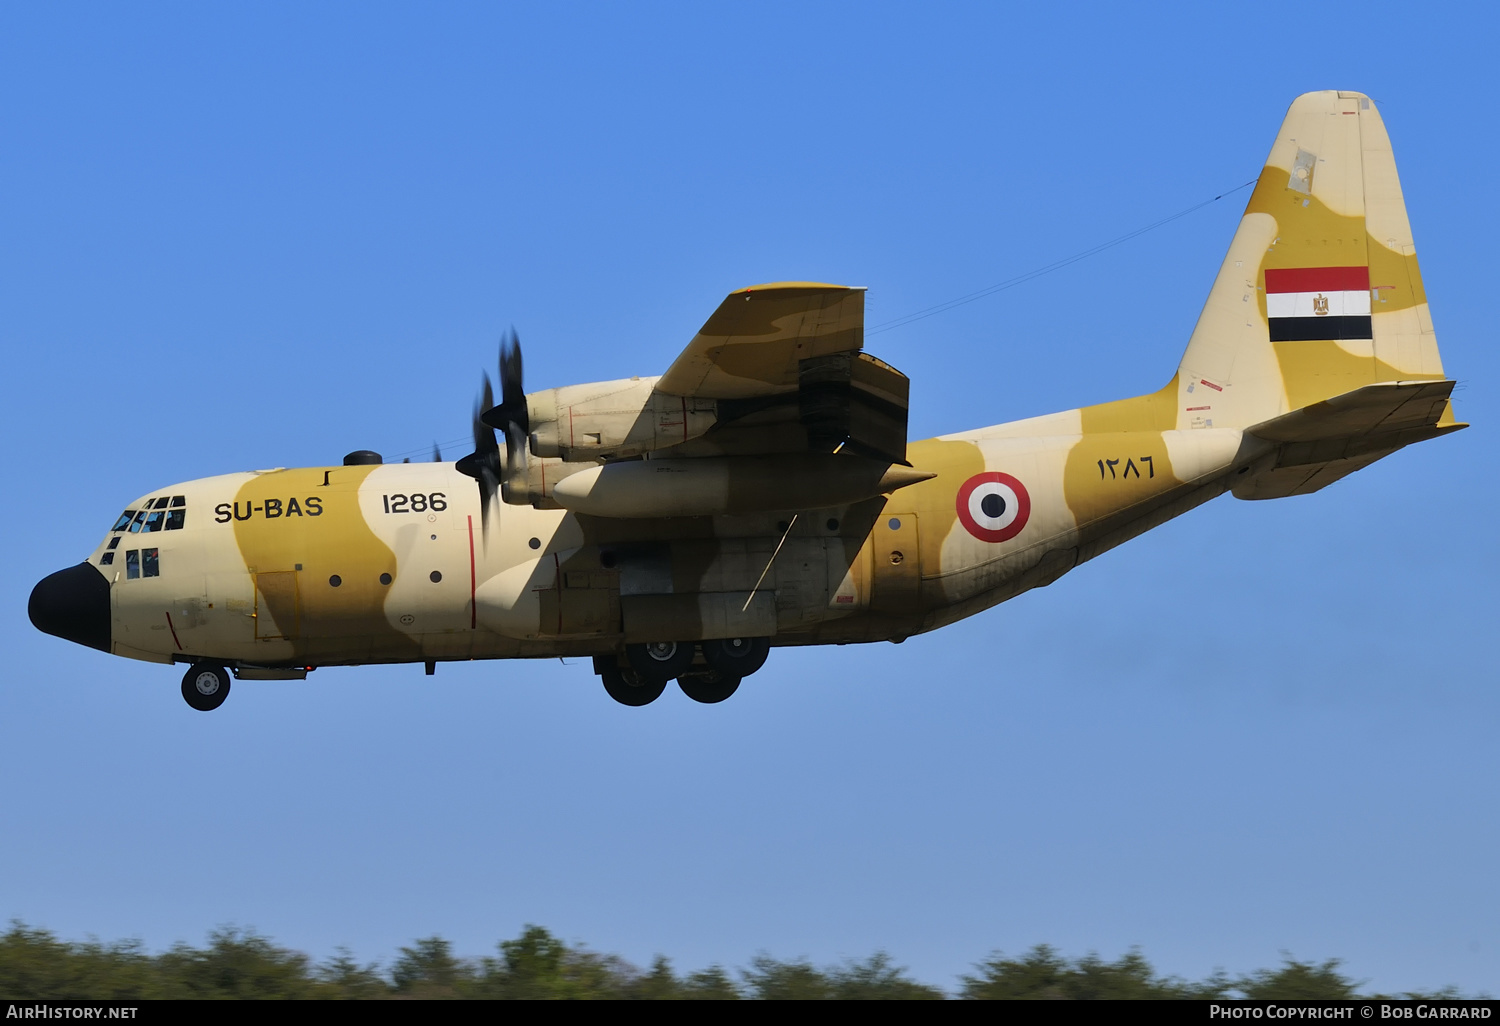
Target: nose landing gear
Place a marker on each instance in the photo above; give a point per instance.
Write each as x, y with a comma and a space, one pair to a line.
205, 686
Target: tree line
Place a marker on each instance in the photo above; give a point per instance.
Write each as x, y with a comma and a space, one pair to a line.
35, 965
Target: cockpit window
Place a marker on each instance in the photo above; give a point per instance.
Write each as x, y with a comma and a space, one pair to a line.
114, 543
132, 564
150, 567
153, 515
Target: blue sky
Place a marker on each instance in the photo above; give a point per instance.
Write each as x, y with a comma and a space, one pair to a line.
266, 235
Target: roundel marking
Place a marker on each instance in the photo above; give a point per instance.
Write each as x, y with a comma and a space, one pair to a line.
993, 506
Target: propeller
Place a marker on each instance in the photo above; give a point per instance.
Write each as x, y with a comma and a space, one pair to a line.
511, 415
483, 464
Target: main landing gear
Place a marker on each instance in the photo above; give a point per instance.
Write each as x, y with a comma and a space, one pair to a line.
647, 668
205, 686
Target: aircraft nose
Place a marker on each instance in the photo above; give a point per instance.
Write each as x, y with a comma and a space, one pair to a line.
73, 604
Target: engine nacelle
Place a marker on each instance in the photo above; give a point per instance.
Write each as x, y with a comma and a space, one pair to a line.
613, 419
532, 484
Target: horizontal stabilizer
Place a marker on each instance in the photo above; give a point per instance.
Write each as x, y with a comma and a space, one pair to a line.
1321, 443
1389, 406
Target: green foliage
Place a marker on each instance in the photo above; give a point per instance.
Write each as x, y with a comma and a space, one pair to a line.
539, 966
874, 979
1042, 973
711, 984
428, 970
239, 964
35, 964
1304, 981
660, 984
342, 977
770, 980
234, 965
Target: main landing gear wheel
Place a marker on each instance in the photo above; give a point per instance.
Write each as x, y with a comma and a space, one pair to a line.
660, 660
709, 688
205, 686
626, 686
736, 657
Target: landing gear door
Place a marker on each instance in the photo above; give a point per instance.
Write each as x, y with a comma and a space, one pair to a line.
897, 573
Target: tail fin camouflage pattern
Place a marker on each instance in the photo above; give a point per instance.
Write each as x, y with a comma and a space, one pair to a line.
1320, 297
1316, 334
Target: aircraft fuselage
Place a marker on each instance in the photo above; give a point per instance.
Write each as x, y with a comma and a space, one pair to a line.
343, 565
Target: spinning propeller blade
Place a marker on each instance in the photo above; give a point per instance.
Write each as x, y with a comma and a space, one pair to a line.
483, 464
511, 415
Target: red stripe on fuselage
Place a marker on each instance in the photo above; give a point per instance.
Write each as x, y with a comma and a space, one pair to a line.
1318, 279
473, 581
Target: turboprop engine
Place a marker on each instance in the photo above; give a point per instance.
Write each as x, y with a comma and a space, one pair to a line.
819, 429
613, 420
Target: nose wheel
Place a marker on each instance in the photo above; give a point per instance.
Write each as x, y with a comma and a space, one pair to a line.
205, 686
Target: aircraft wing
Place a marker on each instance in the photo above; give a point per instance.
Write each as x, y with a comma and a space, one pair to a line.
755, 342
784, 364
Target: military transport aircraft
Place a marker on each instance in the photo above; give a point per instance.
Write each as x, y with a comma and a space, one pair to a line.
762, 492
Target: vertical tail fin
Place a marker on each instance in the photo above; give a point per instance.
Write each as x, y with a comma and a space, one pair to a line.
1320, 293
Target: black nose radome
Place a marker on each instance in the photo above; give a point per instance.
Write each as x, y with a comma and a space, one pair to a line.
73, 604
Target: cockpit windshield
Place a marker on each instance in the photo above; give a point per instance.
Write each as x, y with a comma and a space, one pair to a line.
163, 513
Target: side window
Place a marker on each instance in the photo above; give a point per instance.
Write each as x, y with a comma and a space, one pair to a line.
175, 519
132, 564
124, 521
106, 559
150, 567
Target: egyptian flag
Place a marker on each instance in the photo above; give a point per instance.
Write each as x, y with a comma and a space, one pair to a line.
1307, 303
